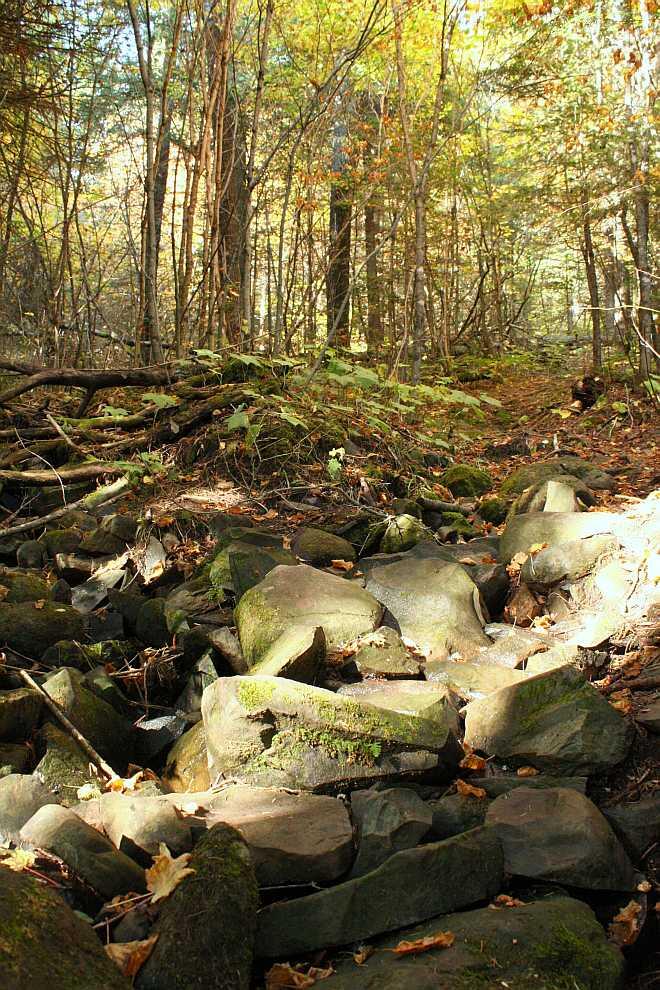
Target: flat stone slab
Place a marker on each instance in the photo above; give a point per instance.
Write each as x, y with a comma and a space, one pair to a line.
472, 680
637, 824
21, 796
409, 887
383, 654
534, 528
387, 822
428, 700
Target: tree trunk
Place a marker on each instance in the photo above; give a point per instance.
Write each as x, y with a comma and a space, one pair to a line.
592, 283
339, 246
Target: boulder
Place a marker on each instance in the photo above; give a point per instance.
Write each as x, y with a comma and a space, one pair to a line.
272, 731
255, 553
434, 603
558, 834
14, 758
297, 654
186, 768
30, 554
554, 721
318, 548
206, 926
553, 943
492, 510
472, 680
554, 493
409, 887
512, 645
60, 831
462, 480
99, 722
137, 825
408, 697
101, 543
22, 586
505, 782
21, 796
153, 625
387, 821
455, 814
304, 597
64, 767
228, 648
567, 561
637, 824
383, 654
202, 673
60, 541
402, 533
45, 945
649, 717
531, 474
30, 630
536, 528
121, 525
20, 711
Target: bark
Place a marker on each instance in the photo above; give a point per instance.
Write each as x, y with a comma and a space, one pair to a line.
339, 243
592, 282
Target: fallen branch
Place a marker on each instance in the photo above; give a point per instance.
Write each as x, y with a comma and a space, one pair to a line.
80, 472
108, 493
84, 378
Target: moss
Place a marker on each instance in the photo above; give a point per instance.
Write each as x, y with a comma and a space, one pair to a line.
464, 480
572, 960
493, 510
23, 587
458, 522
254, 695
259, 624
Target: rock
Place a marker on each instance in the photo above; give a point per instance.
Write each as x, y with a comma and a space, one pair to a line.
567, 561
557, 656
128, 603
108, 732
64, 767
297, 654
152, 625
435, 604
137, 825
21, 796
649, 717
462, 480
637, 824
78, 519
186, 768
31, 554
455, 814
472, 680
503, 783
101, 684
227, 646
554, 493
318, 548
523, 607
202, 674
531, 946
121, 525
410, 886
535, 528
455, 524
554, 721
558, 834
23, 586
387, 822
61, 541
383, 654
306, 598
14, 758
408, 697
30, 630
271, 731
45, 945
101, 543
512, 646
153, 735
255, 553
531, 474
60, 831
294, 838
103, 625
215, 952
402, 533
20, 711
73, 568
492, 510
61, 592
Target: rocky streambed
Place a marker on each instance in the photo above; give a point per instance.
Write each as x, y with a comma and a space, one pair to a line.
314, 757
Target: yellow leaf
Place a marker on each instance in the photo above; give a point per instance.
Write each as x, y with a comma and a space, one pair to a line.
3, 592
503, 900
121, 784
166, 873
130, 956
443, 940
467, 790
17, 859
527, 772
87, 792
536, 548
363, 953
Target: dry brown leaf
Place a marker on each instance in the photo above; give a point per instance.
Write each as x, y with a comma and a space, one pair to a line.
466, 560
283, 975
166, 873
442, 940
473, 762
363, 953
527, 772
341, 565
536, 548
542, 622
467, 790
644, 887
3, 592
621, 700
123, 784
488, 559
503, 900
624, 928
270, 514
130, 956
40, 604
514, 567
164, 521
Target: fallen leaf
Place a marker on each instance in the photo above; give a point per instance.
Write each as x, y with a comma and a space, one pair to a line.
130, 956
488, 559
442, 940
87, 792
363, 953
270, 514
515, 565
3, 592
644, 887
624, 928
542, 622
473, 762
467, 790
123, 784
526, 772
17, 859
536, 548
166, 873
341, 565
164, 521
283, 975
40, 604
503, 900
466, 560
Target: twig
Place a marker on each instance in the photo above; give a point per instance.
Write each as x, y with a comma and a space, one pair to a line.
86, 746
68, 441
103, 495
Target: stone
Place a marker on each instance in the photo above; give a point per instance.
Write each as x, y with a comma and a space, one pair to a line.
453, 524
78, 519
532, 474
536, 528
99, 722
637, 824
60, 831
387, 822
14, 758
61, 592
61, 541
383, 654
402, 533
559, 835
297, 654
45, 945
512, 645
462, 480
30, 630
21, 796
409, 887
153, 735
554, 493
492, 510
406, 507
216, 950
567, 561
64, 767
455, 814
22, 586
228, 647
103, 625
554, 721
31, 554
504, 782
249, 566
101, 543
202, 674
186, 768
307, 598
557, 656
523, 607
293, 837
318, 548
128, 603
73, 568
152, 626
271, 731
434, 603
121, 525
549, 944
137, 825
649, 717
20, 711
472, 680
408, 697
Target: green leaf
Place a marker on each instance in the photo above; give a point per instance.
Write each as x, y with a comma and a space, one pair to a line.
113, 411
250, 359
490, 401
238, 420
160, 399
203, 352
619, 407
334, 468
291, 418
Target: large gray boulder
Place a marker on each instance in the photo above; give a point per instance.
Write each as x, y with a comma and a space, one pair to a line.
30, 630
558, 834
550, 944
186, 768
21, 796
472, 680
554, 721
535, 528
434, 603
304, 598
20, 710
567, 561
272, 731
531, 474
44, 945
138, 824
387, 822
410, 886
99, 722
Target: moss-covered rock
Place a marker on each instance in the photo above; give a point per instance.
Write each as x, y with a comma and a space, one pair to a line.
402, 533
20, 711
64, 767
532, 474
30, 629
187, 768
463, 480
316, 547
152, 626
61, 541
455, 522
30, 554
493, 510
555, 493
23, 586
44, 945
107, 731
552, 529
216, 950
14, 758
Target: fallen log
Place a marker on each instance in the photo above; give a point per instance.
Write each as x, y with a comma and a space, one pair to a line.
65, 475
89, 502
90, 380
